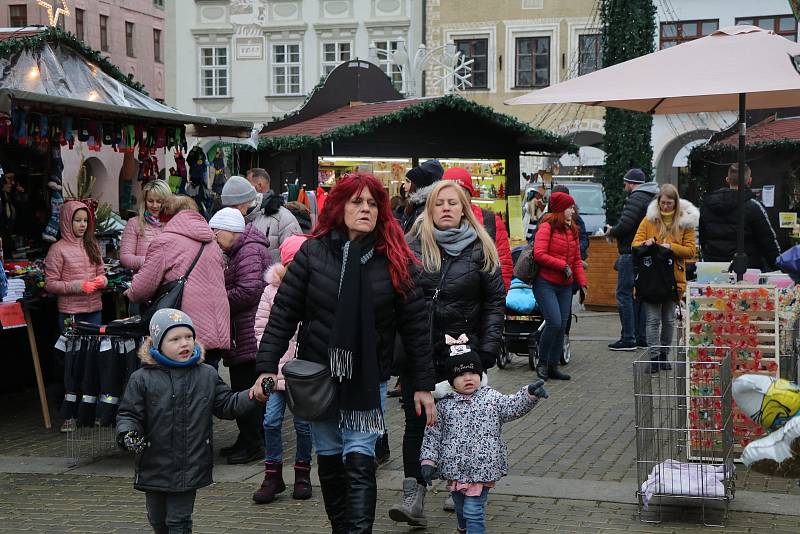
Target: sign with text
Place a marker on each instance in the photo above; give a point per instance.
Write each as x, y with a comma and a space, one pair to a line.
249, 48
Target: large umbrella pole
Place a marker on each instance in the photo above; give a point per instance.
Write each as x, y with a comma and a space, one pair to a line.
740, 259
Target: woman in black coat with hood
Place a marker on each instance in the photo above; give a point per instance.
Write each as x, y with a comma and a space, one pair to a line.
418, 184
465, 294
351, 288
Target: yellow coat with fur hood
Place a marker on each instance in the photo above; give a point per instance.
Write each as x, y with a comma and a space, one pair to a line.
684, 248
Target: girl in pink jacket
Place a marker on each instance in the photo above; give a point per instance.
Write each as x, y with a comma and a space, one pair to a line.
276, 404
148, 225
74, 268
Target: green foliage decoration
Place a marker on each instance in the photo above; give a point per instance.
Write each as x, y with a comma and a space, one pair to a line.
628, 31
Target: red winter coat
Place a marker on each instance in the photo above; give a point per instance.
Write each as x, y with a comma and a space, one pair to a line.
501, 244
134, 244
553, 250
204, 297
68, 262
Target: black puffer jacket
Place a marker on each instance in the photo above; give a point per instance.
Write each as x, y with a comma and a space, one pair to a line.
172, 408
417, 200
719, 213
632, 214
470, 301
308, 295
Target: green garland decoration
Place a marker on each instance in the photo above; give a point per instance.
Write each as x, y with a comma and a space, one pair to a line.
56, 35
290, 143
628, 31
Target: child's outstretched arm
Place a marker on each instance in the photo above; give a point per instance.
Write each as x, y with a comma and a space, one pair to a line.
229, 404
512, 407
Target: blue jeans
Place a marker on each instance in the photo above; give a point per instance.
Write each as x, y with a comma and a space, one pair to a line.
555, 303
632, 315
470, 511
273, 421
91, 317
330, 440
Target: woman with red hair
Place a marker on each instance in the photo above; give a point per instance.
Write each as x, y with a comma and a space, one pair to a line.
350, 287
556, 250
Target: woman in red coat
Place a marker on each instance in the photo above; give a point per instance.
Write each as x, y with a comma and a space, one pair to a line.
556, 251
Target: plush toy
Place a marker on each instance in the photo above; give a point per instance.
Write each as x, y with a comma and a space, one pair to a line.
774, 404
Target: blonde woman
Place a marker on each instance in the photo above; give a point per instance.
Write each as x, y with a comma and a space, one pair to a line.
464, 292
146, 226
670, 222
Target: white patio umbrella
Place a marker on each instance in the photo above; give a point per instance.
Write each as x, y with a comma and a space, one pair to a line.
735, 68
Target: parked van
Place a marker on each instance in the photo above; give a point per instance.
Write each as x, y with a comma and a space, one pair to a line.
589, 197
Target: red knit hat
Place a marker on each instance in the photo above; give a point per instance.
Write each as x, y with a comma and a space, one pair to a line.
559, 202
462, 177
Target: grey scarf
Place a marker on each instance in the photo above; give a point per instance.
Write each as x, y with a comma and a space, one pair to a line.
455, 240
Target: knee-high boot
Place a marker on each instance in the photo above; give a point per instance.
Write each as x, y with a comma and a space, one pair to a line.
334, 481
360, 470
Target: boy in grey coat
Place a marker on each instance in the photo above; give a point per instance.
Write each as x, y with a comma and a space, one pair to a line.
165, 418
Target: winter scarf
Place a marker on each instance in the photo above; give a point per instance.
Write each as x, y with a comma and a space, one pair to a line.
667, 217
152, 219
352, 350
169, 362
455, 240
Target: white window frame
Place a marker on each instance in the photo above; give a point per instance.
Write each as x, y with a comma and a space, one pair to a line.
387, 65
576, 29
518, 29
286, 65
482, 32
333, 64
216, 71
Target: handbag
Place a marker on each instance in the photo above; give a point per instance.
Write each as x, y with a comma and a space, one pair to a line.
310, 390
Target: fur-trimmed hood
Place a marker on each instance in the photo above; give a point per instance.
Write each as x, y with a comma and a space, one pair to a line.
275, 274
690, 215
420, 196
147, 359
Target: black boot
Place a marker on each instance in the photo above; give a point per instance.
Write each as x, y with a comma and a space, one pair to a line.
555, 373
542, 371
333, 480
360, 470
382, 452
664, 365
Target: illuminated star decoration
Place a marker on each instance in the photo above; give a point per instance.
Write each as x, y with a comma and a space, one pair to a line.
53, 14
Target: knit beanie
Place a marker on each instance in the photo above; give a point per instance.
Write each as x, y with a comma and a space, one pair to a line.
559, 202
237, 190
426, 173
165, 320
462, 358
229, 219
289, 248
634, 176
462, 177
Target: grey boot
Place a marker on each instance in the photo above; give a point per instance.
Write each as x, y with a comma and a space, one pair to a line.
412, 511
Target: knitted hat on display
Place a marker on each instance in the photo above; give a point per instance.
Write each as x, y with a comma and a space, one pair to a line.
428, 172
289, 248
237, 190
462, 358
229, 219
462, 177
165, 320
634, 176
560, 202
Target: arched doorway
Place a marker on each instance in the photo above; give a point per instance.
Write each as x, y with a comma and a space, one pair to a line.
591, 156
666, 172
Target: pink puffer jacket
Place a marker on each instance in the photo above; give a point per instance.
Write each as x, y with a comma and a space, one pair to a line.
168, 258
68, 262
273, 278
134, 244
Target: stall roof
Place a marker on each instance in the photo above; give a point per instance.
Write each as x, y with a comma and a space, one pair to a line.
52, 69
769, 130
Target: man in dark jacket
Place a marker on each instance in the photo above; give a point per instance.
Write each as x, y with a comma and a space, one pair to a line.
631, 314
418, 185
719, 213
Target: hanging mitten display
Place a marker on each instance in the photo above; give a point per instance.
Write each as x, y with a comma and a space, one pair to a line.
219, 171
50, 233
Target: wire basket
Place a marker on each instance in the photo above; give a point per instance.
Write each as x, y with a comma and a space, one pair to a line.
684, 436
90, 442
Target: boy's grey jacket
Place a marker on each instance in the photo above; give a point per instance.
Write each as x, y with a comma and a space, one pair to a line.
466, 443
172, 408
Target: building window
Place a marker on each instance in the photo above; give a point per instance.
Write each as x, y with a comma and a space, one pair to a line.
532, 62
784, 25
214, 71
589, 56
393, 71
159, 3
157, 45
675, 33
18, 16
286, 69
129, 39
334, 54
104, 33
79, 29
478, 51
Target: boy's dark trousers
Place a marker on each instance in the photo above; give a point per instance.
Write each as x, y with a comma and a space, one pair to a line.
170, 513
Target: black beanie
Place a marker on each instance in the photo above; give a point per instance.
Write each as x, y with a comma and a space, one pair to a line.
426, 173
462, 358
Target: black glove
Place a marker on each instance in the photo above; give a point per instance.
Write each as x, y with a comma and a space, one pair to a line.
428, 473
537, 389
132, 441
567, 271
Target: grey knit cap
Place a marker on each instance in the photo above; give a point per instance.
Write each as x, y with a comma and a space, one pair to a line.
165, 320
237, 190
634, 176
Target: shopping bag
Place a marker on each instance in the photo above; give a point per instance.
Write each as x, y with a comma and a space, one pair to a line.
520, 297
